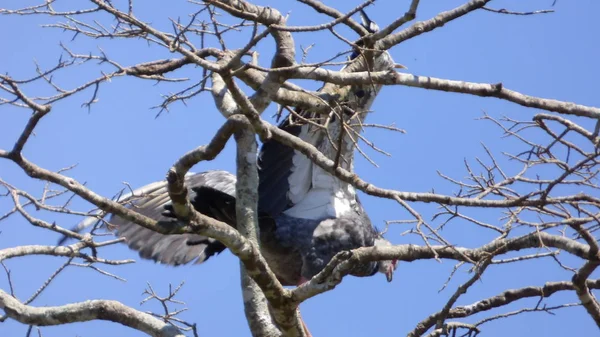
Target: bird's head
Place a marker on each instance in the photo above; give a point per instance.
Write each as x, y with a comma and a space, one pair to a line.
386, 267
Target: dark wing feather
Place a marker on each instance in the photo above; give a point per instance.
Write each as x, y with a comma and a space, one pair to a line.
275, 164
178, 249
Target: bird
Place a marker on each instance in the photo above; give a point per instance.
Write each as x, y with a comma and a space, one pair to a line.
306, 215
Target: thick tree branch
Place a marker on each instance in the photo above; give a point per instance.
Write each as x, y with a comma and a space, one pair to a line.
500, 300
284, 51
343, 263
426, 82
512, 295
329, 166
255, 304
230, 99
86, 311
580, 283
306, 100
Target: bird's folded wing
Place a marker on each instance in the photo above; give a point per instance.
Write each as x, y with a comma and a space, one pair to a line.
276, 164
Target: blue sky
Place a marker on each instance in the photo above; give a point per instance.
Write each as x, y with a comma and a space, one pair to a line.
120, 140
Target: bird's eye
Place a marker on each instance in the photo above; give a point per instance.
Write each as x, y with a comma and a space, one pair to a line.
360, 93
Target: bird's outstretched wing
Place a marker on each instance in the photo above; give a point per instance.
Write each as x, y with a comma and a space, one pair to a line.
208, 192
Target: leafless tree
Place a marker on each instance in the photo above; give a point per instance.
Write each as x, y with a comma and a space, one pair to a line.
542, 215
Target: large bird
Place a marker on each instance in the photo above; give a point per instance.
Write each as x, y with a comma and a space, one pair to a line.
306, 215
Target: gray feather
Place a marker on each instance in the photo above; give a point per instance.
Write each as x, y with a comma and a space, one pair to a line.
151, 201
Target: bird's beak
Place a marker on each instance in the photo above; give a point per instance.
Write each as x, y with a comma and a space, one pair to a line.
400, 66
389, 275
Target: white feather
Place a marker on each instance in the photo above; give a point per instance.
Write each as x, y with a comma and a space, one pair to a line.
314, 193
315, 205
325, 196
327, 228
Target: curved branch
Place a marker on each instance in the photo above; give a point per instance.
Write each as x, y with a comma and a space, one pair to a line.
569, 125
500, 300
408, 16
285, 51
343, 263
588, 300
329, 166
86, 311
426, 82
73, 250
334, 13
343, 18
247, 252
421, 27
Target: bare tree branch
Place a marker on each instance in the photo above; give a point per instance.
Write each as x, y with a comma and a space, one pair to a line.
86, 311
541, 197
